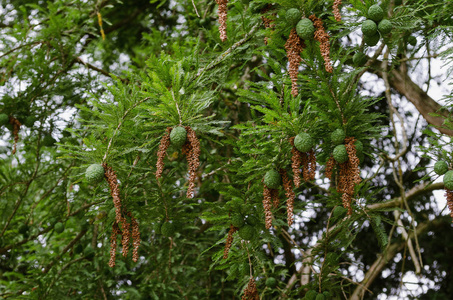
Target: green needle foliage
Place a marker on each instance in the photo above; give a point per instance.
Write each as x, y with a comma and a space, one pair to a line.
99, 85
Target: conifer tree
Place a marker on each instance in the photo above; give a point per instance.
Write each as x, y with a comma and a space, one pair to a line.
247, 149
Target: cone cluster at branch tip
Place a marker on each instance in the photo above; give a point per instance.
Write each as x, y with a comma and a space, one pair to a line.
323, 38
222, 12
294, 46
250, 292
229, 241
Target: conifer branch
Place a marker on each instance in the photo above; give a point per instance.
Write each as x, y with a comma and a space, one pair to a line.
222, 56
68, 246
120, 124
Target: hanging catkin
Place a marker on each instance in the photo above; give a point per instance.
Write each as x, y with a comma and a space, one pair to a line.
222, 12
323, 38
192, 151
349, 175
294, 46
267, 205
336, 10
449, 196
163, 146
290, 196
250, 292
16, 127
229, 241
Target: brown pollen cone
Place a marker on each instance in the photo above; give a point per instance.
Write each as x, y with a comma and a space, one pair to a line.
112, 180
330, 164
275, 199
290, 196
305, 166
126, 228
135, 237
250, 292
311, 165
296, 162
229, 241
163, 146
336, 10
222, 12
449, 196
294, 46
113, 244
349, 175
268, 22
323, 38
192, 150
16, 127
267, 204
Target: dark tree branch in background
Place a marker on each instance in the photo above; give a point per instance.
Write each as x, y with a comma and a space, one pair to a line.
415, 191
103, 72
426, 105
386, 256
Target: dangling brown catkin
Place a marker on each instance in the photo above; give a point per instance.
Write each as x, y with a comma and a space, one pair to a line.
323, 38
192, 151
135, 237
267, 204
163, 146
290, 196
449, 196
312, 165
250, 292
113, 244
296, 161
268, 23
275, 198
222, 12
229, 241
126, 231
336, 10
349, 175
294, 46
112, 180
305, 166
330, 164
16, 127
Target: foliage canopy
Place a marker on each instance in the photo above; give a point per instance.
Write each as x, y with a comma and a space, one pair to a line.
301, 164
